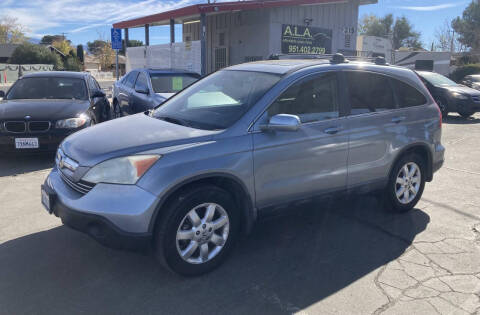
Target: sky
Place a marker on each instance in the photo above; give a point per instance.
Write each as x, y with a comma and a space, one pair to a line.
87, 20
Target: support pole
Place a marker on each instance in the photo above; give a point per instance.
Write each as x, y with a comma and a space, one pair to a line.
172, 31
126, 40
116, 64
147, 35
203, 42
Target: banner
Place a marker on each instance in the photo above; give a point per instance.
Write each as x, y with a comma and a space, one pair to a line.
298, 39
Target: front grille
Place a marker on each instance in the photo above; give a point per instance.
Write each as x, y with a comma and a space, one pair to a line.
476, 98
81, 187
15, 126
39, 126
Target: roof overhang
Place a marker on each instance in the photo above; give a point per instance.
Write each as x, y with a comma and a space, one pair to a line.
194, 11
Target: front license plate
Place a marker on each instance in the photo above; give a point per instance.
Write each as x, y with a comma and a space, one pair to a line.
26, 143
46, 200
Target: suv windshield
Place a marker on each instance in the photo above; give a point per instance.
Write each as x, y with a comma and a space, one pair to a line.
437, 79
217, 101
48, 88
171, 83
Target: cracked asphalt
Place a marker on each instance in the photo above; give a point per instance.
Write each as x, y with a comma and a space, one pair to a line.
337, 256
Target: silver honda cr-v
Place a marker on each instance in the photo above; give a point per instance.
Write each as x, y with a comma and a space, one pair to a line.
187, 178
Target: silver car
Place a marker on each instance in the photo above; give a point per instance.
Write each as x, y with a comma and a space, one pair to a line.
186, 179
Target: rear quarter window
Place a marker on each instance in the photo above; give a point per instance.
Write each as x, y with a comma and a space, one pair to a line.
407, 95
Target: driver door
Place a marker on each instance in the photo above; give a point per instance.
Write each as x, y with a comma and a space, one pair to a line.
291, 165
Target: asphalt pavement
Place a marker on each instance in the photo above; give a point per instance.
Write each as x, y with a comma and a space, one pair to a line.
344, 256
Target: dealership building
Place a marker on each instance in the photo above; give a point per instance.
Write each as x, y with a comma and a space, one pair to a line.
216, 35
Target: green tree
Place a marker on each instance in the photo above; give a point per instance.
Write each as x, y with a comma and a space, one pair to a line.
96, 46
63, 46
400, 30
28, 53
80, 53
131, 43
468, 26
50, 39
11, 32
72, 64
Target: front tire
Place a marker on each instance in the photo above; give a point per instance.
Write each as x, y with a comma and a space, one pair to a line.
406, 184
197, 231
442, 104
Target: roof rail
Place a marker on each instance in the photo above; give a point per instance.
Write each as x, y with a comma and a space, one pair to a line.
334, 58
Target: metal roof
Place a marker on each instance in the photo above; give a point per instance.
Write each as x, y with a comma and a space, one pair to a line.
195, 10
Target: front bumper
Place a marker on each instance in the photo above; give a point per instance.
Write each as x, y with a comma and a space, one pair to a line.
117, 216
47, 142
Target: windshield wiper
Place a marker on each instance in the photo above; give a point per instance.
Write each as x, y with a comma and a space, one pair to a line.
176, 121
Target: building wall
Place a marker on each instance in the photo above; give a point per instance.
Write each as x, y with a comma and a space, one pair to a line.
339, 18
256, 34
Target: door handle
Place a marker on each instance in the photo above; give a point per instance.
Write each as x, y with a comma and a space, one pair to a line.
333, 130
398, 119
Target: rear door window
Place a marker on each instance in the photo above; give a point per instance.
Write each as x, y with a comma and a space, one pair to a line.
407, 95
369, 92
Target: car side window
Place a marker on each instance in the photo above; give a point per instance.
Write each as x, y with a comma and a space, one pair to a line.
407, 95
131, 78
141, 83
312, 99
369, 92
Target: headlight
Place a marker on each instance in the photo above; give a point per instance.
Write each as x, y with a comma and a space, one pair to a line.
460, 96
72, 123
124, 170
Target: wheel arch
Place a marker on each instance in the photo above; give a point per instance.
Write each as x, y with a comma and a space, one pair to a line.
423, 150
226, 181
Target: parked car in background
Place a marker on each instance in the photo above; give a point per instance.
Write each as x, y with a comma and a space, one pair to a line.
450, 96
143, 89
191, 175
43, 108
472, 81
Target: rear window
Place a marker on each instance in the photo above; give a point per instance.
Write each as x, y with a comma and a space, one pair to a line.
369, 92
407, 95
171, 83
49, 88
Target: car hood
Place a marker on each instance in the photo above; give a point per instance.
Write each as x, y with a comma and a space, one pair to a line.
127, 136
42, 109
462, 89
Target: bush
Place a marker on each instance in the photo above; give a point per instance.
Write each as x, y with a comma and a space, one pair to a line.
72, 64
463, 71
28, 54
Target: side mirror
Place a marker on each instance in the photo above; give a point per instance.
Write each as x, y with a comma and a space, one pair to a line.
283, 122
142, 90
2, 94
98, 93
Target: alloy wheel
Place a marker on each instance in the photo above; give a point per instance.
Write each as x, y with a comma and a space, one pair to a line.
408, 183
202, 233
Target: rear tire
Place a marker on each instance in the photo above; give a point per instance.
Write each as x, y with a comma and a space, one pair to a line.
190, 242
406, 184
466, 114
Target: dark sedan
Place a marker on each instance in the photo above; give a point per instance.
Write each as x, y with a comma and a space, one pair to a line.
450, 96
143, 89
41, 109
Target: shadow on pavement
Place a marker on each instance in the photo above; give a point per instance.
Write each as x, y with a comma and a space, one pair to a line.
459, 120
11, 165
289, 262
